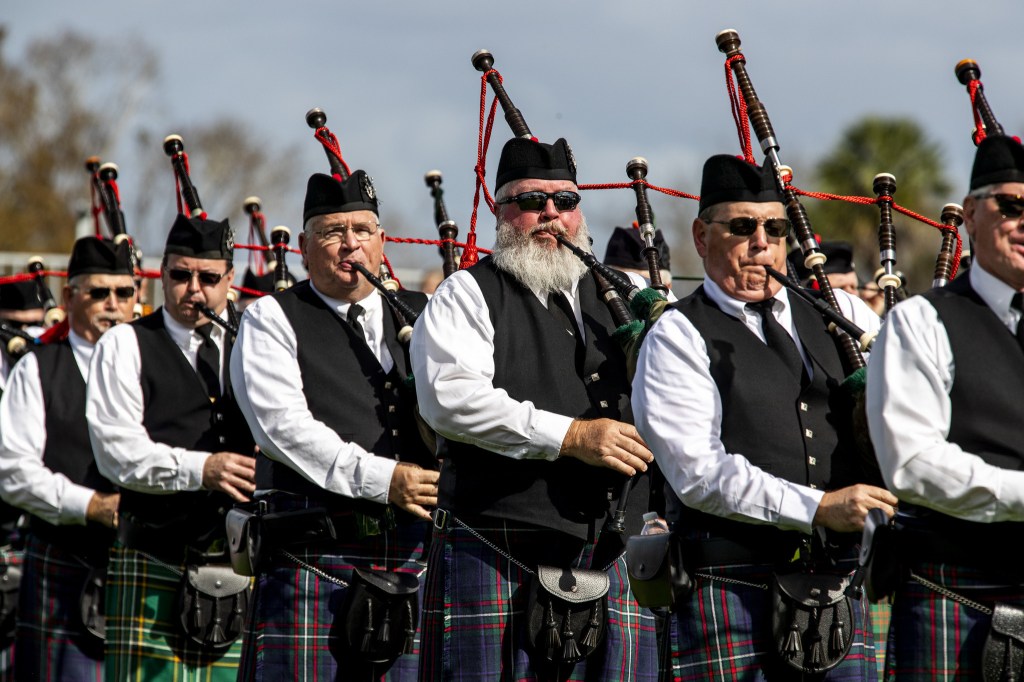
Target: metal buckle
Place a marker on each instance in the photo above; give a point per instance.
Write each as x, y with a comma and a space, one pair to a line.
440, 519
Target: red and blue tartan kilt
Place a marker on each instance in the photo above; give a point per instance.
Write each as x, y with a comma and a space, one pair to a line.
8, 557
474, 624
723, 631
295, 633
144, 638
50, 641
936, 638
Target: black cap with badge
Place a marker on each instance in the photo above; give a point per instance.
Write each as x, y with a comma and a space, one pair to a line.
95, 255
324, 195
524, 158
728, 178
200, 238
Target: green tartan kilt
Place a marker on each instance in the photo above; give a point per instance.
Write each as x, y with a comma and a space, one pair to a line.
144, 641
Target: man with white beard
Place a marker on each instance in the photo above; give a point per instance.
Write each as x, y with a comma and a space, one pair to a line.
516, 368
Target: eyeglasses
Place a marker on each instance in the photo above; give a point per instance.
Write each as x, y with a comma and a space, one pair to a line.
1011, 206
336, 235
101, 293
536, 201
746, 225
208, 279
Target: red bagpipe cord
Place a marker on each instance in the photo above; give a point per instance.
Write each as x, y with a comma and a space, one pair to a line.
470, 254
738, 105
330, 142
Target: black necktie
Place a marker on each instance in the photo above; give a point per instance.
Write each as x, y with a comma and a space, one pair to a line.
208, 362
561, 310
778, 339
1018, 304
355, 311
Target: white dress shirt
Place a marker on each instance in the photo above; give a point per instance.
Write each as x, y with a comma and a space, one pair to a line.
267, 382
678, 411
453, 361
25, 481
114, 409
909, 414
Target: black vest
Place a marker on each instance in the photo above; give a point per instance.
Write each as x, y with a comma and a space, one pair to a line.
347, 389
177, 411
68, 450
988, 384
786, 429
534, 361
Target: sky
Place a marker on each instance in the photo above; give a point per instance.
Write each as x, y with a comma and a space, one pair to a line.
617, 79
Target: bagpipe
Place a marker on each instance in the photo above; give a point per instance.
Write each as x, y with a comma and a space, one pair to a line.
385, 282
447, 230
106, 201
628, 305
16, 342
187, 197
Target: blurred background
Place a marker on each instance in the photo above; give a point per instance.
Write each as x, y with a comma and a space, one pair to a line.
853, 89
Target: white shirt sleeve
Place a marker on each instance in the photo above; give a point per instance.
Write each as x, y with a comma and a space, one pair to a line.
909, 414
453, 361
114, 409
267, 382
25, 482
678, 411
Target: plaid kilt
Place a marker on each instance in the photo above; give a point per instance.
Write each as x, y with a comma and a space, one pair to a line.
881, 615
294, 632
723, 632
8, 557
50, 641
936, 638
144, 641
474, 624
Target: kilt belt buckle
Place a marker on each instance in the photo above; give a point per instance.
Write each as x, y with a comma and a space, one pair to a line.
440, 519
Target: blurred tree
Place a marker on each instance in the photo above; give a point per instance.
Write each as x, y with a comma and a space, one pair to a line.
68, 98
882, 145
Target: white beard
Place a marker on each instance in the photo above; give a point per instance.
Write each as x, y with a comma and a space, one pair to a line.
536, 266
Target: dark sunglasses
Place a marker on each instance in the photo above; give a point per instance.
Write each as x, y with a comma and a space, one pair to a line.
101, 293
535, 201
206, 278
746, 226
1011, 206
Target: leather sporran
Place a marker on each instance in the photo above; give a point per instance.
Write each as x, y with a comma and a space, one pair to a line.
10, 582
381, 615
91, 616
1003, 655
213, 602
812, 620
566, 612
654, 564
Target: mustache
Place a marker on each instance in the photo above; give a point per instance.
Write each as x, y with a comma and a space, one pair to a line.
552, 226
112, 318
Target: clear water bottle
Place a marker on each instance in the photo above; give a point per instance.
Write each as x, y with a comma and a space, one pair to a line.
653, 524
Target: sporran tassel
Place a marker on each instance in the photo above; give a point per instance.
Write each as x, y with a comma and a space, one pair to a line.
570, 652
410, 631
837, 641
384, 634
794, 643
589, 640
197, 614
554, 642
367, 644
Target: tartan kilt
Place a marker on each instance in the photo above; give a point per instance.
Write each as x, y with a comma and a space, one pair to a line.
474, 624
8, 557
723, 631
937, 638
144, 640
50, 641
295, 629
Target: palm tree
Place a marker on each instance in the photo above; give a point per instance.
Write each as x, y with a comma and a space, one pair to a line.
883, 145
